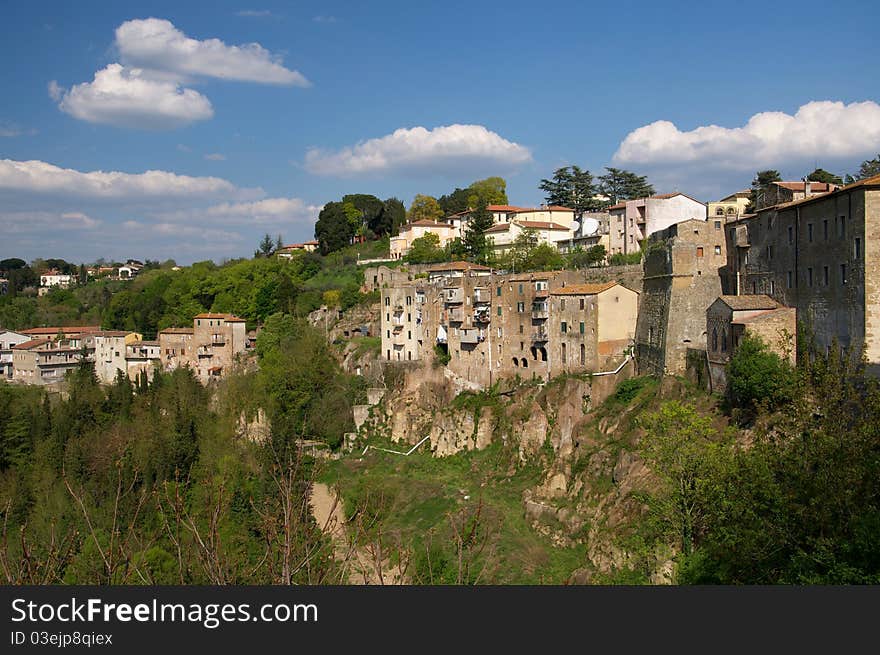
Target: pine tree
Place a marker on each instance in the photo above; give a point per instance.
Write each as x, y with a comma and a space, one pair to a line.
475, 240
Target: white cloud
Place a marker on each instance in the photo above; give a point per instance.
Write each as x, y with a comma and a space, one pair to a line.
38, 177
819, 130
254, 13
215, 156
14, 129
55, 91
445, 149
130, 97
324, 19
277, 211
156, 44
28, 222
183, 148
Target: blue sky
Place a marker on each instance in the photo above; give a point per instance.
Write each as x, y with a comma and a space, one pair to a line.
248, 139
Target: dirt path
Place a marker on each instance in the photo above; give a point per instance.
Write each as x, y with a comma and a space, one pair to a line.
360, 567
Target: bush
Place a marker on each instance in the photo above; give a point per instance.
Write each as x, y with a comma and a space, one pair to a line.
756, 376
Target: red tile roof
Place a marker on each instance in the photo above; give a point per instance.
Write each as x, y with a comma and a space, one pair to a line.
65, 330
33, 343
177, 330
229, 318
583, 289
426, 223
799, 186
749, 302
542, 225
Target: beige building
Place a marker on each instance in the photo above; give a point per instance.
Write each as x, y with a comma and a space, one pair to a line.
729, 318
821, 256
504, 235
409, 232
730, 207
8, 339
209, 348
142, 357
43, 361
286, 252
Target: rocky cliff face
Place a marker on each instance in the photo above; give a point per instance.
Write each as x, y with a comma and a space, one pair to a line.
588, 452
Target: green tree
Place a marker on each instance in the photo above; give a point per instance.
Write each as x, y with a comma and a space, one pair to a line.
760, 184
455, 202
372, 212
426, 250
580, 258
475, 241
571, 187
677, 445
821, 175
618, 184
267, 245
492, 191
758, 377
869, 168
395, 214
334, 228
424, 208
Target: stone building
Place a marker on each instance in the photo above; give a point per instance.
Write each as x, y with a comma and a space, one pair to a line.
142, 357
44, 361
731, 317
821, 256
783, 192
682, 267
175, 347
110, 352
8, 339
501, 326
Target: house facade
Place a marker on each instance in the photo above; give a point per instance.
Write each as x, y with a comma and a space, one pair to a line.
634, 221
8, 339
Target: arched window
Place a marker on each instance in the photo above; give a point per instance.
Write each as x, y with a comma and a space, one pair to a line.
724, 341
525, 363
516, 362
583, 355
731, 211
714, 339
719, 211
534, 353
543, 354
564, 354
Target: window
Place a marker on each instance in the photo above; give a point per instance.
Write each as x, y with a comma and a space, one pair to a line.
714, 339
520, 328
769, 252
788, 282
699, 251
772, 287
724, 341
790, 234
388, 334
498, 292
499, 334
825, 230
408, 317
717, 225
387, 300
582, 327
387, 316
843, 274
520, 288
810, 232
499, 310
409, 334
564, 353
719, 211
562, 304
520, 307
809, 277
717, 250
842, 227
522, 346
564, 327
409, 300
825, 275
755, 284
857, 248
583, 355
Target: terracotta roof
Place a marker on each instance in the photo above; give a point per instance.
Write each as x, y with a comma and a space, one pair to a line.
868, 181
542, 225
760, 316
583, 289
558, 208
69, 329
749, 302
144, 344
426, 223
176, 330
506, 208
799, 186
28, 345
215, 369
229, 318
458, 266
500, 227
110, 333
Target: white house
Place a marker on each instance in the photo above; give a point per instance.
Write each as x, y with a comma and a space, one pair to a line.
633, 221
8, 339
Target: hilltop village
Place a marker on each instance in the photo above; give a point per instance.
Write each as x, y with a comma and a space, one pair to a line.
803, 255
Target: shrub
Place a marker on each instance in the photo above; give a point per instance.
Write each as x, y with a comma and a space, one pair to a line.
756, 376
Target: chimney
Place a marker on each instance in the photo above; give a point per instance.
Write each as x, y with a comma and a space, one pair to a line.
806, 187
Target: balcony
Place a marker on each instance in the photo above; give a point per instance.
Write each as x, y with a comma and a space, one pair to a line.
398, 309
482, 296
398, 327
539, 336
218, 339
205, 351
454, 315
542, 293
471, 337
453, 295
540, 311
482, 316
